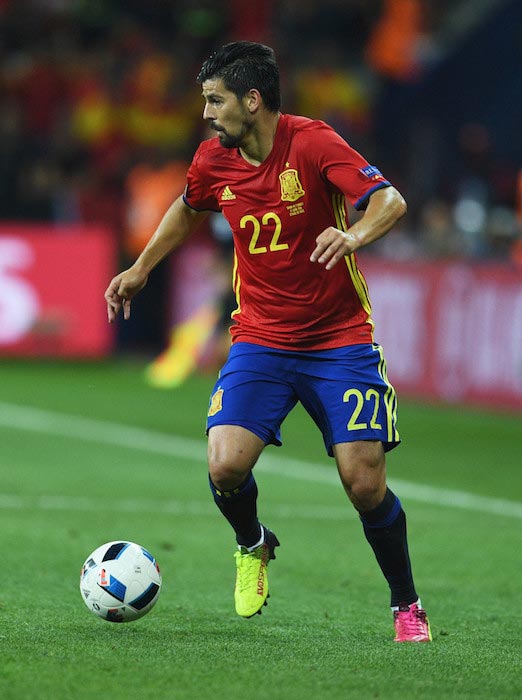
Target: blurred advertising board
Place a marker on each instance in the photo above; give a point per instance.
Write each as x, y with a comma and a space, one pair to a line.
451, 331
52, 281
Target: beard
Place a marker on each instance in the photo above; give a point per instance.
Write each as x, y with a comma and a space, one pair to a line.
229, 140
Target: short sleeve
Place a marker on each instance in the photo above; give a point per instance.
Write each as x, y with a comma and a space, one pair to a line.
198, 193
347, 170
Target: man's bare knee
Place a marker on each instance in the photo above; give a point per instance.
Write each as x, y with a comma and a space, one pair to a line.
226, 475
362, 468
364, 493
232, 454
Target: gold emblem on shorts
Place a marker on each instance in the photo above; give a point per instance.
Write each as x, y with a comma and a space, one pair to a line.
291, 188
216, 402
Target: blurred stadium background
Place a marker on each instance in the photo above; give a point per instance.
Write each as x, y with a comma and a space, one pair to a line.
99, 117
100, 114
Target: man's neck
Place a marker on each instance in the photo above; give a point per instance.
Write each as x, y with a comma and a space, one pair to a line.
258, 145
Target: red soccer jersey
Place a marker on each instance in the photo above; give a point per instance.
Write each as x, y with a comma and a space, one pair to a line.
276, 210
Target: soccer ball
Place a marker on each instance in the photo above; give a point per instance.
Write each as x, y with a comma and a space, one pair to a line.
120, 581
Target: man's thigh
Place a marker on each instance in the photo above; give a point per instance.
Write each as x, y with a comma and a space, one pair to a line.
349, 396
253, 391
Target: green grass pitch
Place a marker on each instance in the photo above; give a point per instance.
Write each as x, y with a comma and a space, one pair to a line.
89, 454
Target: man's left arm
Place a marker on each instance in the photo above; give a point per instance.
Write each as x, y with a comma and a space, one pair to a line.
385, 207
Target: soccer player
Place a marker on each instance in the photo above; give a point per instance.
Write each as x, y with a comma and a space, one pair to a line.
302, 328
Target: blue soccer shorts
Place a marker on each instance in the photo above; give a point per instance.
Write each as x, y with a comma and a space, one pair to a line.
345, 390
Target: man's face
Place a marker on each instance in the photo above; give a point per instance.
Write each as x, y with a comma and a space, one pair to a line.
225, 113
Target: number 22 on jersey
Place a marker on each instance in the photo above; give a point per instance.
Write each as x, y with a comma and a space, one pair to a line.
272, 223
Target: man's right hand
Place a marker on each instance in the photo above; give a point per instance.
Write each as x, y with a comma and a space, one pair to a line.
121, 290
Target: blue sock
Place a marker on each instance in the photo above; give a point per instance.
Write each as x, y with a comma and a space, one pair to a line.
239, 506
385, 530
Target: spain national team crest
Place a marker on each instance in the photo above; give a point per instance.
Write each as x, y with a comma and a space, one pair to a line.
291, 188
216, 402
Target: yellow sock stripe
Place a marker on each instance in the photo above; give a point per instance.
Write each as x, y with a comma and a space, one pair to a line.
390, 400
358, 280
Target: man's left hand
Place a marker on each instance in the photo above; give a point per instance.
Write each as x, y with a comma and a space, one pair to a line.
332, 246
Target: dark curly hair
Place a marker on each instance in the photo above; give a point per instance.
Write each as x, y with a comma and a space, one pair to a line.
243, 65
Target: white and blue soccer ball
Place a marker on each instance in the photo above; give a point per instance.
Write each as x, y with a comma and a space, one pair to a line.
120, 581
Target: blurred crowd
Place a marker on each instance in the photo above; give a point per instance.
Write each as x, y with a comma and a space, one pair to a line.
100, 113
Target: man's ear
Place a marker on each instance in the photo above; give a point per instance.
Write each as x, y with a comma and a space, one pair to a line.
253, 100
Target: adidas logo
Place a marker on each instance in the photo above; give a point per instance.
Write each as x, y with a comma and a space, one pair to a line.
227, 194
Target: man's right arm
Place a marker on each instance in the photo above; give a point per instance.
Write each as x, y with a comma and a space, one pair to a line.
176, 226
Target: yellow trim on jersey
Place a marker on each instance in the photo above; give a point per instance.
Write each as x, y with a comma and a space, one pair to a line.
236, 284
390, 399
357, 278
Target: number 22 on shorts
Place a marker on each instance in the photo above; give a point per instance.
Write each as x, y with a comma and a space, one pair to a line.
360, 399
